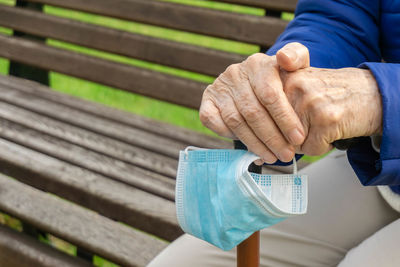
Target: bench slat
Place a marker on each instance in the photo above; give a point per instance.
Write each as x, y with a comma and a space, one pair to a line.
115, 169
77, 225
245, 28
20, 250
129, 119
280, 5
136, 137
110, 198
136, 80
192, 58
127, 153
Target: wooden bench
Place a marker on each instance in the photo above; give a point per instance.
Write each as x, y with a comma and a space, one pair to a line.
96, 177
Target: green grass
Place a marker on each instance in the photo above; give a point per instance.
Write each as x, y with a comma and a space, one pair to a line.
10, 222
3, 66
221, 6
4, 62
7, 2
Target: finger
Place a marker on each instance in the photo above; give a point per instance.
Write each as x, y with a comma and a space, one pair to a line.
211, 118
293, 56
239, 127
268, 89
259, 162
260, 122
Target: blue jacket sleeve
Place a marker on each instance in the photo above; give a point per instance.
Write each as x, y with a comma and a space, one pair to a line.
338, 33
345, 33
383, 168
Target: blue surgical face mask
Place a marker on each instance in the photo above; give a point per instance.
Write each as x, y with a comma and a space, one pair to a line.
219, 201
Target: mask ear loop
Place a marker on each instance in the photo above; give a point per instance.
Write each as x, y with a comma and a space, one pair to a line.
191, 148
294, 166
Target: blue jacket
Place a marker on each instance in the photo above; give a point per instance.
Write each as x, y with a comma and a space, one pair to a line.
358, 33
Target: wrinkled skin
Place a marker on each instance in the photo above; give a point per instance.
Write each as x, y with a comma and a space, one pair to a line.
334, 104
278, 105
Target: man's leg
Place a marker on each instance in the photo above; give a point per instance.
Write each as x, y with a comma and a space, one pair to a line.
341, 214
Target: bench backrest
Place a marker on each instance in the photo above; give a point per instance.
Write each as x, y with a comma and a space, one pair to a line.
252, 29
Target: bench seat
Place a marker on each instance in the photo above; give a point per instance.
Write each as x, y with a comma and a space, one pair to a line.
114, 163
100, 178
118, 165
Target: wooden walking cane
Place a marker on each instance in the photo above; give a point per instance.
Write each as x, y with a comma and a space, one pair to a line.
248, 252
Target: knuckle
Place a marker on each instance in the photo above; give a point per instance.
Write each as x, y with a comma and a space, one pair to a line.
231, 69
233, 120
256, 60
205, 117
299, 80
323, 114
208, 89
332, 116
314, 104
268, 96
229, 76
251, 114
255, 57
217, 90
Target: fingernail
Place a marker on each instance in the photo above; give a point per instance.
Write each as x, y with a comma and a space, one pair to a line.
290, 54
286, 155
296, 137
259, 162
269, 159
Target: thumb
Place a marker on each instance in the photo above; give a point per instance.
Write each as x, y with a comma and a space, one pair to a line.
293, 56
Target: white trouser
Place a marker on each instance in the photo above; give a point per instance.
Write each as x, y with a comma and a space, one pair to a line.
343, 216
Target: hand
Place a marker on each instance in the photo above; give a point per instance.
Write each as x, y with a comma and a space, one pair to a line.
247, 102
333, 104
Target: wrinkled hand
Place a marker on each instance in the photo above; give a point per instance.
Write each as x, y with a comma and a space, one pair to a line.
333, 104
247, 102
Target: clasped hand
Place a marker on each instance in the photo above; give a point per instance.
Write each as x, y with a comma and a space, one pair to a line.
279, 105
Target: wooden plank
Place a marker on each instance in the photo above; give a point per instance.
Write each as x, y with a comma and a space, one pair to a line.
110, 198
25, 71
136, 80
77, 225
173, 132
20, 250
118, 170
278, 5
135, 137
114, 149
174, 54
245, 28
